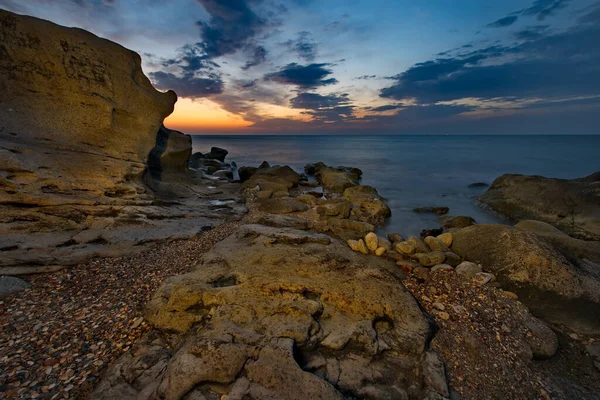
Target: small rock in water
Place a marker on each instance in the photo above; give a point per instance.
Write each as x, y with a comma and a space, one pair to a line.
483, 277
432, 210
478, 185
371, 241
431, 232
395, 237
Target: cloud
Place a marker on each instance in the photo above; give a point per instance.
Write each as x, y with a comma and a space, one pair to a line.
545, 8
304, 76
388, 107
532, 32
259, 57
187, 85
502, 22
365, 77
304, 46
325, 108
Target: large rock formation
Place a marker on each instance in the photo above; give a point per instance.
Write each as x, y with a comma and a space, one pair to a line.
78, 121
544, 280
283, 313
573, 206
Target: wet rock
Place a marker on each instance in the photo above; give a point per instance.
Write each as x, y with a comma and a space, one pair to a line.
468, 269
570, 205
432, 210
264, 164
283, 205
349, 229
419, 244
461, 221
277, 173
550, 286
395, 237
217, 153
383, 242
334, 180
246, 173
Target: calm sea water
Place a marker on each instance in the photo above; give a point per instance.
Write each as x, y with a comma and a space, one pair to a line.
416, 171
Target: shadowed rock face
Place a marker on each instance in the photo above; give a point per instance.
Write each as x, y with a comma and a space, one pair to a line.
284, 313
545, 281
573, 205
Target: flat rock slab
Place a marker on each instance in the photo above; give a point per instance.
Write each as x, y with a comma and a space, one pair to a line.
283, 235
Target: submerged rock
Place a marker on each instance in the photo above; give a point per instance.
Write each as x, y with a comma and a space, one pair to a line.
543, 279
570, 205
367, 205
432, 210
453, 222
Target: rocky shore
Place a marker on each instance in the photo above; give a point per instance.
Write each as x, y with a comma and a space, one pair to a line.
183, 276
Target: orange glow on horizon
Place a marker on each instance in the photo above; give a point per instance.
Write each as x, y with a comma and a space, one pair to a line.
203, 114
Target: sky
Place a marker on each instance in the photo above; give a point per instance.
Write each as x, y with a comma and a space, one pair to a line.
358, 67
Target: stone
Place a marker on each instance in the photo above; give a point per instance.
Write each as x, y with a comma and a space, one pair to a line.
593, 349
419, 244
509, 295
283, 205
334, 208
438, 306
441, 267
367, 205
430, 259
334, 180
443, 315
434, 373
483, 278
435, 244
407, 264
452, 259
371, 241
283, 173
543, 341
569, 204
405, 248
246, 173
217, 153
264, 194
468, 269
476, 185
286, 321
446, 238
281, 193
349, 229
431, 232
286, 221
308, 199
353, 244
10, 285
395, 237
171, 152
379, 251
452, 222
362, 247
383, 242
421, 272
577, 251
282, 235
432, 210
551, 287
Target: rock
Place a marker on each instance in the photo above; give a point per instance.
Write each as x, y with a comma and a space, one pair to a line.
334, 208
264, 164
371, 241
334, 180
283, 205
404, 248
434, 373
550, 286
395, 237
349, 229
362, 247
282, 174
286, 221
543, 340
418, 244
367, 205
308, 199
431, 232
288, 321
441, 266
281, 193
379, 251
353, 244
246, 173
430, 259
509, 295
171, 152
435, 244
432, 210
223, 174
570, 205
442, 314
478, 185
274, 185
282, 235
10, 285
461, 221
446, 238
383, 242
264, 194
593, 349
452, 259
576, 251
351, 170
421, 272
483, 278
217, 153
439, 306
468, 269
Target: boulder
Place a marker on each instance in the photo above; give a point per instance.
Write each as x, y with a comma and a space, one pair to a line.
435, 245
282, 173
308, 199
367, 205
216, 153
349, 229
453, 222
282, 205
432, 210
446, 238
371, 241
286, 321
468, 269
171, 152
570, 205
335, 207
246, 173
334, 180
542, 340
418, 244
575, 250
544, 280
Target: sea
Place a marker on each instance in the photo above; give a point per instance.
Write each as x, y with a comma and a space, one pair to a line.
412, 171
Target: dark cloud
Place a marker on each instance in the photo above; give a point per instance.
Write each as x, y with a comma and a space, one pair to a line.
190, 59
231, 26
187, 85
325, 108
593, 17
365, 77
502, 22
545, 8
388, 107
532, 32
304, 76
259, 56
561, 64
304, 46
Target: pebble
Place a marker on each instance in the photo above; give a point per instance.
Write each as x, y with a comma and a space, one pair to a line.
371, 241
443, 315
379, 251
482, 278
510, 295
438, 306
404, 248
446, 238
441, 266
468, 269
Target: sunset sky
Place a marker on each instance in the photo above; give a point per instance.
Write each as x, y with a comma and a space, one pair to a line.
362, 67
